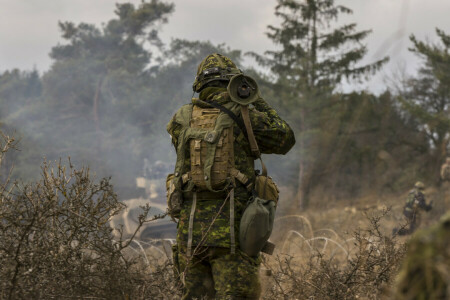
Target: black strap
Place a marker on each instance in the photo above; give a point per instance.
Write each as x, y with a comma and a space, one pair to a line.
235, 118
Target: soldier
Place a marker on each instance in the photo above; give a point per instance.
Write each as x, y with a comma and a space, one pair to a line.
445, 171
414, 203
208, 258
425, 272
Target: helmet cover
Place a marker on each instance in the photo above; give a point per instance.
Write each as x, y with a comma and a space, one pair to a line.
419, 185
214, 67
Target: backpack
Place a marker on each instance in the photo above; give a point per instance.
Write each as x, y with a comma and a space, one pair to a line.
208, 132
218, 161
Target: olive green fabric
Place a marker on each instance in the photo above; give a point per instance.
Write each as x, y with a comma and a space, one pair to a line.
212, 217
425, 272
266, 188
183, 117
215, 60
217, 274
445, 170
243, 89
256, 225
419, 185
415, 203
174, 198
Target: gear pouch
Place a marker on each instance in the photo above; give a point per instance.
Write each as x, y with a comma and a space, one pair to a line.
266, 188
174, 197
256, 226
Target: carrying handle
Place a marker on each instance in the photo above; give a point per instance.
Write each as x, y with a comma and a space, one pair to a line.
251, 137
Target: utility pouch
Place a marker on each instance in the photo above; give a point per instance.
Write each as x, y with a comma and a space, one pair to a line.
256, 226
266, 188
174, 197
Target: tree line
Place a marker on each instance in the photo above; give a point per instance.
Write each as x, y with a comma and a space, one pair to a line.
110, 91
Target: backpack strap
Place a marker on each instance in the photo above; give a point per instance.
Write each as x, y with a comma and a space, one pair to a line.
251, 137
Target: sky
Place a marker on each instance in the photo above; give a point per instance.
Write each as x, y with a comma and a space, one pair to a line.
28, 28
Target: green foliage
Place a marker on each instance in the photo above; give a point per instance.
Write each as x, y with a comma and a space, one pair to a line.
18, 89
426, 97
314, 55
313, 60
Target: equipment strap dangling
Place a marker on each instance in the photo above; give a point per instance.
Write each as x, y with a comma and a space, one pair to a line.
251, 137
191, 225
232, 234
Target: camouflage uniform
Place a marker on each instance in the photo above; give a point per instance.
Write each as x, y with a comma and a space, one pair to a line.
212, 270
445, 173
445, 180
425, 272
414, 203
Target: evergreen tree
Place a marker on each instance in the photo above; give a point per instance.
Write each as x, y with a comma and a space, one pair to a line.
427, 96
314, 58
96, 98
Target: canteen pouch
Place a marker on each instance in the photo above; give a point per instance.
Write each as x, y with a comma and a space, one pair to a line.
174, 197
256, 226
266, 188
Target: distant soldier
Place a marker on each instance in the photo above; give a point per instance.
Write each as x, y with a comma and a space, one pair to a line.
445, 171
414, 203
425, 271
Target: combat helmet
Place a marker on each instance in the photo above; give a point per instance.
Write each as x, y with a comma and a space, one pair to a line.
214, 67
419, 185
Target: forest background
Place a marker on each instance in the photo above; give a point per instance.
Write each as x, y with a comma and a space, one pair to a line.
111, 89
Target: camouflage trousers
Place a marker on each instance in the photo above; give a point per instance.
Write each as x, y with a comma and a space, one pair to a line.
414, 220
214, 273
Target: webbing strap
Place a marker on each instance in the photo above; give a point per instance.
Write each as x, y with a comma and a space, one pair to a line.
185, 177
251, 137
232, 235
242, 178
248, 125
191, 225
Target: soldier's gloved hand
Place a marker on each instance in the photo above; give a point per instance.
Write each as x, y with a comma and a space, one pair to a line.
261, 105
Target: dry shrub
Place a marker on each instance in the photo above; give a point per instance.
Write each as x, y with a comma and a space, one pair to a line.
56, 241
364, 271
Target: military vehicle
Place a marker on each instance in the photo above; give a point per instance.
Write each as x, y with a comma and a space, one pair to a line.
153, 183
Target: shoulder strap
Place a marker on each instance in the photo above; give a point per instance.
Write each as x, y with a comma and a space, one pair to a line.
251, 137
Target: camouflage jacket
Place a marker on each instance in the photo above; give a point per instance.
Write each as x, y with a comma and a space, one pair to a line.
416, 201
445, 172
212, 216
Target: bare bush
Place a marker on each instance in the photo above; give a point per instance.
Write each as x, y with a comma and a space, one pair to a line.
56, 241
366, 272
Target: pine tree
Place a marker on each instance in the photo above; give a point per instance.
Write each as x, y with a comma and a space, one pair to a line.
315, 57
427, 96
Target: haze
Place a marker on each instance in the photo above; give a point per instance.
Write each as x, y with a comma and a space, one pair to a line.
28, 29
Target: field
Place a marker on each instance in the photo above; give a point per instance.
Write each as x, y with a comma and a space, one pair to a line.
56, 242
